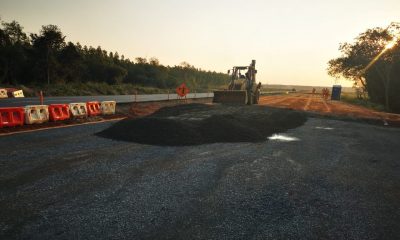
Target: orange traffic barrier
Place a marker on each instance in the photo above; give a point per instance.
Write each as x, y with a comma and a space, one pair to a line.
93, 108
59, 112
10, 117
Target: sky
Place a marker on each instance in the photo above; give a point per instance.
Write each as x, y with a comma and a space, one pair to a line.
291, 40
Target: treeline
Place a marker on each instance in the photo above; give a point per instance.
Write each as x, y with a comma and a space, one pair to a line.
373, 63
46, 58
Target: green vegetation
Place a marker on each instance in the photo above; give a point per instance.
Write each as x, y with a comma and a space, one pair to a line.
45, 61
365, 102
89, 88
373, 63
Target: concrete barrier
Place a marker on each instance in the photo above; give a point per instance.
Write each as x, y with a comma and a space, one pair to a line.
36, 114
18, 94
108, 107
3, 93
78, 110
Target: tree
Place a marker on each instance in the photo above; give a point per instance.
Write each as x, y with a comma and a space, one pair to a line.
154, 61
45, 57
13, 44
372, 60
15, 32
141, 60
48, 44
71, 60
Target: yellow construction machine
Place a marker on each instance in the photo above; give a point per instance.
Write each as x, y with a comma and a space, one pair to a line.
242, 88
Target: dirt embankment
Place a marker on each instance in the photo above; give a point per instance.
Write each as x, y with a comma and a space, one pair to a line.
194, 124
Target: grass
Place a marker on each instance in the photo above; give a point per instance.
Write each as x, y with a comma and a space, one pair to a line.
352, 99
92, 89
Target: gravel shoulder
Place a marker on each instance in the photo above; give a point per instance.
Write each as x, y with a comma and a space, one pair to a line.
329, 180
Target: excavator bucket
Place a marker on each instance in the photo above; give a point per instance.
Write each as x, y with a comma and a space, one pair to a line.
230, 96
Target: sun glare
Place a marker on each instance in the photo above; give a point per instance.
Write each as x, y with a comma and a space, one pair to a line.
388, 46
391, 44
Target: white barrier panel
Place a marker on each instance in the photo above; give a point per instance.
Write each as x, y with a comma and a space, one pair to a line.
3, 93
108, 107
36, 114
78, 109
18, 94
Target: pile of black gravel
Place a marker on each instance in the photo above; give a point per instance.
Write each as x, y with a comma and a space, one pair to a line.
186, 125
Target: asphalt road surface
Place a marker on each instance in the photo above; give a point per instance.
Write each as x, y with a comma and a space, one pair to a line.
17, 102
325, 180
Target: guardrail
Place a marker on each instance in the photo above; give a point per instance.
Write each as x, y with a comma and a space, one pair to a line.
15, 102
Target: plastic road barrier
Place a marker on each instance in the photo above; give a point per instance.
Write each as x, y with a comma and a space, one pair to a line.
93, 108
36, 114
10, 117
18, 94
108, 107
3, 93
78, 110
59, 112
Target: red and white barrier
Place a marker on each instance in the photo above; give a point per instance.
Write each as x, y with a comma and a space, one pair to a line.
93, 108
78, 110
59, 112
33, 114
11, 117
18, 94
36, 114
3, 93
108, 107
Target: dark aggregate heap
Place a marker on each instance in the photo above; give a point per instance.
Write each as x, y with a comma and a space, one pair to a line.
194, 124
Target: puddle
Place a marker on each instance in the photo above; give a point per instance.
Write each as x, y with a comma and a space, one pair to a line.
283, 138
324, 128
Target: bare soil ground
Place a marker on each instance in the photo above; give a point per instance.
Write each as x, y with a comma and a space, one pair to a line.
315, 103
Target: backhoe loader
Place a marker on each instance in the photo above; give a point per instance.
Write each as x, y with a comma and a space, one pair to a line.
242, 88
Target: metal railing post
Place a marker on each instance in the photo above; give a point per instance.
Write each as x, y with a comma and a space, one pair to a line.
135, 95
41, 98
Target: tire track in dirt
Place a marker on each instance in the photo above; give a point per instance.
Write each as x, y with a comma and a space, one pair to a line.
316, 105
328, 109
272, 100
308, 102
295, 102
279, 100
